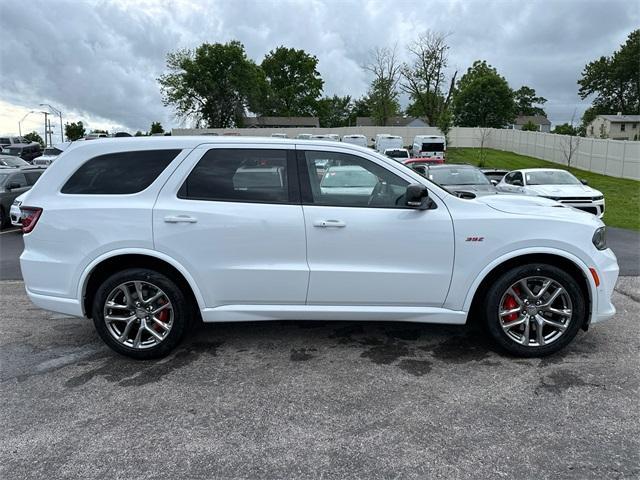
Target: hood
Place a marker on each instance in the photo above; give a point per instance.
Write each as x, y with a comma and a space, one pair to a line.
478, 190
529, 205
562, 190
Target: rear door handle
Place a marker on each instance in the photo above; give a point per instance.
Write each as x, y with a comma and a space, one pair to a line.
329, 223
180, 219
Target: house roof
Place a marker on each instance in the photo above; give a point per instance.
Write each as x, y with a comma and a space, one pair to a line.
281, 122
621, 118
393, 122
535, 119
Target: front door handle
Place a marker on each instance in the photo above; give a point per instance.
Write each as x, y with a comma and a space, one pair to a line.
180, 219
329, 223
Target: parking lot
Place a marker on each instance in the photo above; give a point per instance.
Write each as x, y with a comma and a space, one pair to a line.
316, 399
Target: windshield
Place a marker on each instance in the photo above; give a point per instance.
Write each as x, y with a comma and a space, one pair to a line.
12, 162
3, 177
12, 151
458, 176
351, 177
551, 177
432, 147
51, 151
397, 153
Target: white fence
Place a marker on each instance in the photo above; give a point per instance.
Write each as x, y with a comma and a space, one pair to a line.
617, 158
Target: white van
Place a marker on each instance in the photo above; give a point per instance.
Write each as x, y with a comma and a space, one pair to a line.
386, 141
326, 136
304, 136
355, 139
278, 135
432, 146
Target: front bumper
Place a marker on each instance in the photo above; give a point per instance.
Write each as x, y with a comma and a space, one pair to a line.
595, 207
608, 270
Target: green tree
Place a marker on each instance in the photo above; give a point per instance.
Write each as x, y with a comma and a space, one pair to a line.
213, 85
483, 98
527, 101
383, 91
565, 129
530, 127
156, 127
139, 134
97, 130
34, 137
74, 131
334, 111
361, 107
424, 79
444, 123
293, 83
615, 82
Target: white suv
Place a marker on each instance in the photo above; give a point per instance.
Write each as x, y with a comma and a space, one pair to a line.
146, 235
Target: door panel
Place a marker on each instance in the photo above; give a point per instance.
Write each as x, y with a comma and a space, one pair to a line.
242, 251
377, 252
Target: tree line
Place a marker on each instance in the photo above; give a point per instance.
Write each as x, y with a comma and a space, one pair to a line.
216, 85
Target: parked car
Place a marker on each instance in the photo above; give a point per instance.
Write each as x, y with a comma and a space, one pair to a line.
430, 146
399, 154
554, 184
145, 235
9, 161
14, 182
8, 140
49, 154
348, 180
494, 174
96, 135
324, 136
14, 211
355, 139
279, 135
461, 179
385, 141
26, 151
304, 136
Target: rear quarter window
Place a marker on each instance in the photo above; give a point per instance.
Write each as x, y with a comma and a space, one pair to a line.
119, 173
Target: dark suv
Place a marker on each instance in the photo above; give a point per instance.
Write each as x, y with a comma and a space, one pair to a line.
13, 183
26, 151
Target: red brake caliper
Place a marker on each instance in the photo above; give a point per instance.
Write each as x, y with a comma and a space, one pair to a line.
509, 304
163, 316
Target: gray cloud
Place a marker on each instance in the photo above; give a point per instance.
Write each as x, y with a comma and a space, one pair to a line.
101, 59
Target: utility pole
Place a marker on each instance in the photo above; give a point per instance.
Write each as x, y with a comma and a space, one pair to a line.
46, 114
59, 113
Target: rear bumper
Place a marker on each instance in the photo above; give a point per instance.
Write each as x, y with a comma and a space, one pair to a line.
68, 306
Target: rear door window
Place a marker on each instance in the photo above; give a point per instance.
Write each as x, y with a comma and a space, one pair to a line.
32, 177
119, 173
239, 175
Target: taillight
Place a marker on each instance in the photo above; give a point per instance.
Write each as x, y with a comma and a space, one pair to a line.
29, 217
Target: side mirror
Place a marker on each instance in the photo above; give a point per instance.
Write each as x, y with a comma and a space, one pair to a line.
494, 182
584, 181
517, 182
13, 185
417, 196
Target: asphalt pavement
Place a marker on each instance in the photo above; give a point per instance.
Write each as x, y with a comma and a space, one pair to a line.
624, 243
316, 400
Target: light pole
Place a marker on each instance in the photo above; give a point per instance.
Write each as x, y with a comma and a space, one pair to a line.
55, 110
23, 118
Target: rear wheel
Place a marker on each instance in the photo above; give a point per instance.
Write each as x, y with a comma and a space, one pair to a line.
534, 310
140, 313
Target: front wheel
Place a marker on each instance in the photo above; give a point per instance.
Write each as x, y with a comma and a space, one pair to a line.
534, 310
140, 313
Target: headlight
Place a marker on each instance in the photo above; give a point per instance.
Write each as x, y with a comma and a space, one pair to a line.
553, 198
600, 238
17, 203
599, 197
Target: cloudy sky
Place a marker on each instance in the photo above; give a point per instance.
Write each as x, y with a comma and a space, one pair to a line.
98, 60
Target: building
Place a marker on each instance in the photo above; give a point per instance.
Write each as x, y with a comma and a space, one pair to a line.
616, 127
540, 121
392, 122
281, 122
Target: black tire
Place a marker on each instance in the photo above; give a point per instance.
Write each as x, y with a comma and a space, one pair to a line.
501, 285
182, 312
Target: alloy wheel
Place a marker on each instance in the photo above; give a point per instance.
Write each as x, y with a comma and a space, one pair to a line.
535, 311
138, 314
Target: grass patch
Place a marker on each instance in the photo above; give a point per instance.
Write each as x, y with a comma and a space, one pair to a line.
622, 196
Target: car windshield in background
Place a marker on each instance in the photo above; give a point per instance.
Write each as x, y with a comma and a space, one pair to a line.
397, 154
3, 177
349, 177
433, 147
551, 177
12, 151
458, 176
51, 151
13, 162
